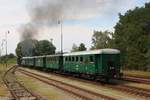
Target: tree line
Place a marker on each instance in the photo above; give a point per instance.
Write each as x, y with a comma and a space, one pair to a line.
131, 37
4, 57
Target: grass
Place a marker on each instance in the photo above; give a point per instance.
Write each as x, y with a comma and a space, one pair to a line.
136, 73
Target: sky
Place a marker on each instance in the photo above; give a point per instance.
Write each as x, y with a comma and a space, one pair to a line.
14, 14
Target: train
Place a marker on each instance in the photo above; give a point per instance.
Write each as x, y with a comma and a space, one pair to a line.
96, 64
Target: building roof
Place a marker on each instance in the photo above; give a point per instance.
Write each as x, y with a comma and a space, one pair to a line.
100, 51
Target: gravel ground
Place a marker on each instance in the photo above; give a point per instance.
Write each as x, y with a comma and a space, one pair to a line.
100, 89
47, 91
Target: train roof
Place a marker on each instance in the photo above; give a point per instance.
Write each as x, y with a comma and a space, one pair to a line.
41, 56
27, 57
91, 52
53, 55
100, 51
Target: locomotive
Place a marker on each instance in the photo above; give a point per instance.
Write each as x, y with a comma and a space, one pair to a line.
102, 63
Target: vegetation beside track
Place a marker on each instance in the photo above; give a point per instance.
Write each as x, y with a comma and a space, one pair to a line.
3, 68
136, 73
3, 89
49, 92
97, 87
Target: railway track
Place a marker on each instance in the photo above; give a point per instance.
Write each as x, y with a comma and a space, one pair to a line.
137, 79
132, 90
75, 90
138, 76
145, 93
17, 90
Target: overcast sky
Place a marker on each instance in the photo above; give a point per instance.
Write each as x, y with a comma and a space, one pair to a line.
14, 13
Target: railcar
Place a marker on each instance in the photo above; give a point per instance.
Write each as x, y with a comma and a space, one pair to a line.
27, 61
97, 63
102, 63
39, 62
53, 62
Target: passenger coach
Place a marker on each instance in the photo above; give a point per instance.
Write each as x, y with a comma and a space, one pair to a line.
97, 63
102, 63
27, 61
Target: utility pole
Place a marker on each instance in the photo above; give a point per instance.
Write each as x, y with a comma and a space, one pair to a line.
51, 40
6, 46
61, 32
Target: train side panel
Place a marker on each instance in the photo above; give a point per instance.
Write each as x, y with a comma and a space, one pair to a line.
39, 62
52, 62
27, 61
79, 64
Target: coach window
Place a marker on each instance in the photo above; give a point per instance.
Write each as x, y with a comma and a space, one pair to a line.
77, 59
81, 59
66, 59
69, 58
72, 58
91, 59
54, 58
50, 59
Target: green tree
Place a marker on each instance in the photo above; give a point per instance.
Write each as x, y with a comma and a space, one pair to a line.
19, 51
132, 37
74, 48
11, 55
44, 47
81, 47
34, 48
26, 48
101, 39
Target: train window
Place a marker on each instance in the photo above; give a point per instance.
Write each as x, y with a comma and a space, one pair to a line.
81, 59
69, 58
77, 59
91, 59
72, 58
86, 60
66, 58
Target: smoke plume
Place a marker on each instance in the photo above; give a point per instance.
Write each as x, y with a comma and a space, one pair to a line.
49, 12
28, 31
